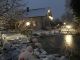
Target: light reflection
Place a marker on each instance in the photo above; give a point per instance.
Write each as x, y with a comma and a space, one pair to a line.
64, 23
68, 40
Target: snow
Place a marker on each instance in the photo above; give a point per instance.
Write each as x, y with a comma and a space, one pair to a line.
16, 48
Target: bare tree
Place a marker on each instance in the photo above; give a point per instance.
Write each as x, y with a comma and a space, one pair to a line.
10, 11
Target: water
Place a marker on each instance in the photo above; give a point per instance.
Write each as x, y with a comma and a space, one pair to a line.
61, 43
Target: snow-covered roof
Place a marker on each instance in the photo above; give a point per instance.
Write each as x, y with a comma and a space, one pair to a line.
36, 12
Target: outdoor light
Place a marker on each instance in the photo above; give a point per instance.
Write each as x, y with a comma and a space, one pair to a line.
64, 23
68, 26
50, 17
49, 11
28, 23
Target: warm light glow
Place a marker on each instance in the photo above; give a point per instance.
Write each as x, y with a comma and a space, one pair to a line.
64, 23
68, 40
28, 23
34, 24
50, 17
68, 26
49, 11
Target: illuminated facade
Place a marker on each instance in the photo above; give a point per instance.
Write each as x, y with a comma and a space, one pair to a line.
39, 18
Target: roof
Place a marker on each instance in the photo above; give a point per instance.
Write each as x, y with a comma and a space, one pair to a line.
36, 12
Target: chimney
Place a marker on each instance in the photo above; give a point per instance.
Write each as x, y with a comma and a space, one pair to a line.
27, 9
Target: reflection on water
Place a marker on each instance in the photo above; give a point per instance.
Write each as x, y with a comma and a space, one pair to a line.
60, 43
68, 40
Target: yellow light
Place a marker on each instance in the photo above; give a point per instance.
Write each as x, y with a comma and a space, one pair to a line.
34, 24
49, 11
50, 17
68, 26
28, 23
68, 40
64, 23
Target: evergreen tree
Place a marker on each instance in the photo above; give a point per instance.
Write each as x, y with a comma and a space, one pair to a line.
75, 4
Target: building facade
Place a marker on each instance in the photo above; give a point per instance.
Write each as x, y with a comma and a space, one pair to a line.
39, 19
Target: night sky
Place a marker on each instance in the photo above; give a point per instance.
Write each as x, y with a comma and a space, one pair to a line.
56, 5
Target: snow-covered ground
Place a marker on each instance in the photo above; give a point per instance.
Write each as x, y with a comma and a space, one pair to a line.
12, 49
52, 32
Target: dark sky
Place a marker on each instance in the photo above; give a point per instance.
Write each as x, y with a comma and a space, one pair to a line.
56, 5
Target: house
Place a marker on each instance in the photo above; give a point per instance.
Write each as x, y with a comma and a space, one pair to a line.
37, 18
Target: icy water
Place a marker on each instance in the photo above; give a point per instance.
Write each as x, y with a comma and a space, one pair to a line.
56, 44
61, 43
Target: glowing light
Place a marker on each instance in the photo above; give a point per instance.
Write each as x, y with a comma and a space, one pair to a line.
34, 24
68, 40
64, 23
68, 26
49, 11
50, 17
28, 23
